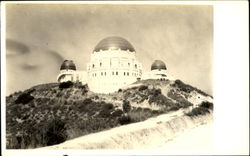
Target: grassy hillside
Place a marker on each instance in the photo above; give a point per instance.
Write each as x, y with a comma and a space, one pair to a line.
53, 113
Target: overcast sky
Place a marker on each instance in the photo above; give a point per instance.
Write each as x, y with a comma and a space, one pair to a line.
40, 36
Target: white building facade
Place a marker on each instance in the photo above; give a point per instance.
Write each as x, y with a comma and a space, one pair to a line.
158, 72
68, 72
113, 65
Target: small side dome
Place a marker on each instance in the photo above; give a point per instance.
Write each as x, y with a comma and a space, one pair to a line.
158, 64
68, 65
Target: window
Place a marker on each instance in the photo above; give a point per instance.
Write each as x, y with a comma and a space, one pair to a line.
136, 66
128, 64
100, 64
93, 66
127, 73
101, 73
116, 73
113, 73
105, 73
124, 73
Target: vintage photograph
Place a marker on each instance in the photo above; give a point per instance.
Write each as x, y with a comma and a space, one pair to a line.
109, 76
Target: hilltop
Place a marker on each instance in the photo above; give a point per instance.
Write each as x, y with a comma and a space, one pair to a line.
52, 113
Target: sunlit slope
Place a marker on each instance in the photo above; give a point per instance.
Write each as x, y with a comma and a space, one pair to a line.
50, 114
152, 133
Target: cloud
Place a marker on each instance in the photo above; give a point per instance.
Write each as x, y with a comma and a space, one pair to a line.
15, 48
30, 63
29, 66
56, 55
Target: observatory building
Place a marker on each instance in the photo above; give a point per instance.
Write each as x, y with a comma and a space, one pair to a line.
113, 65
158, 71
68, 72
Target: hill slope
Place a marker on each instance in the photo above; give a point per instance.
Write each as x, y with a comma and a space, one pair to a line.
49, 114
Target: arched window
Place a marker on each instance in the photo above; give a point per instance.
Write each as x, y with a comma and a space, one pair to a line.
100, 64
135, 66
124, 73
127, 73
101, 73
116, 73
93, 66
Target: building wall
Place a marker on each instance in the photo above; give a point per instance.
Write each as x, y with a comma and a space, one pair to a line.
110, 70
157, 74
72, 75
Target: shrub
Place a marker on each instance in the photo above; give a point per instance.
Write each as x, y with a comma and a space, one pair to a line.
107, 106
64, 85
137, 116
123, 120
180, 99
24, 98
117, 113
104, 113
126, 106
198, 111
143, 87
207, 105
161, 100
87, 101
174, 108
187, 88
155, 92
56, 132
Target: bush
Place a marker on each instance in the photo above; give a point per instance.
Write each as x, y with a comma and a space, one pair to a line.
126, 106
64, 85
24, 98
141, 115
207, 105
155, 92
187, 88
180, 99
161, 100
104, 113
56, 132
117, 113
107, 106
143, 87
123, 120
87, 101
198, 111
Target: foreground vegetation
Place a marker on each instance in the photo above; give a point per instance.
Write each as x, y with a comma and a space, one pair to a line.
53, 113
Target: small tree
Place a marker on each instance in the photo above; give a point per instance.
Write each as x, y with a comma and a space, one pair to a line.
126, 106
24, 98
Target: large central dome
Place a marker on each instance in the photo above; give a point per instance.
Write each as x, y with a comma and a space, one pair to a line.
114, 42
